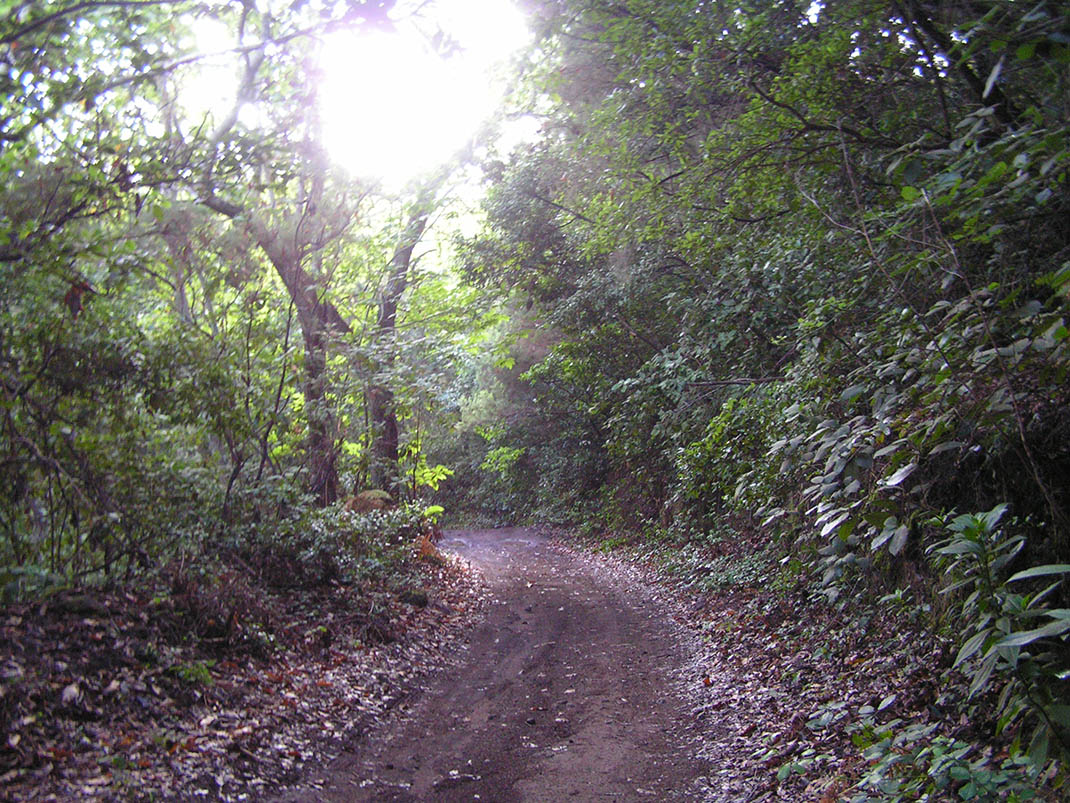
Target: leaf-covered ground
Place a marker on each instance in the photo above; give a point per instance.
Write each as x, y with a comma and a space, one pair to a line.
107, 697
568, 691
792, 698
804, 700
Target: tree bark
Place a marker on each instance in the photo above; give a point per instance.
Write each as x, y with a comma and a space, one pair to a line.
319, 321
380, 398
384, 472
322, 455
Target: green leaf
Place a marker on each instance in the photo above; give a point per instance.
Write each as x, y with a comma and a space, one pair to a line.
1054, 613
1023, 637
1040, 571
992, 517
1059, 713
946, 446
993, 77
899, 539
887, 531
901, 475
910, 194
972, 645
962, 547
852, 393
1039, 746
984, 672
835, 522
889, 449
432, 512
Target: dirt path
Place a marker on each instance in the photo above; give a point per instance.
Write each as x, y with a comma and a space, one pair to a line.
565, 692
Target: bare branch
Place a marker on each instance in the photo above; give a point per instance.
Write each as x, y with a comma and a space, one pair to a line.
565, 209
742, 380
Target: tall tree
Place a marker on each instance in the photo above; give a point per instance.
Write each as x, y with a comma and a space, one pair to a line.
293, 215
130, 337
381, 399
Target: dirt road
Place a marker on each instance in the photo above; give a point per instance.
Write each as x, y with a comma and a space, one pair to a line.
565, 693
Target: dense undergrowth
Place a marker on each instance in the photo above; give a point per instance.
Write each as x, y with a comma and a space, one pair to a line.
189, 679
780, 291
202, 333
791, 291
856, 699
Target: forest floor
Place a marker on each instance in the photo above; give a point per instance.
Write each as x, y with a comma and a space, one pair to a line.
165, 697
531, 671
570, 689
593, 677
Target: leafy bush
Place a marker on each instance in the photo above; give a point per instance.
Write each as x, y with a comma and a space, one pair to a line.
910, 762
1015, 640
729, 470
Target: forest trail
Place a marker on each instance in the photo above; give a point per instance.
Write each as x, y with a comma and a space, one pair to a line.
565, 692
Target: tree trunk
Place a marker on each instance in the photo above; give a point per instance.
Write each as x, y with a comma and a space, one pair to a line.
380, 399
322, 455
384, 452
319, 320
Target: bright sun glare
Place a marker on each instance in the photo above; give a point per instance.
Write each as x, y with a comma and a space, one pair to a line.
392, 108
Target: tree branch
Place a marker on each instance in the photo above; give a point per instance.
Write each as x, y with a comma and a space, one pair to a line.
810, 125
565, 209
30, 27
1005, 112
742, 380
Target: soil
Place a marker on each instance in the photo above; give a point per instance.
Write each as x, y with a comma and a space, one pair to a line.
131, 697
569, 689
512, 668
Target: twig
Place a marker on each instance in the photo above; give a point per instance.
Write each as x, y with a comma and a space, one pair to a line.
742, 380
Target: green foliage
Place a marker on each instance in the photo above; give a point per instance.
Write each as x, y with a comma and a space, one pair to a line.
910, 762
422, 475
607, 545
432, 512
28, 582
501, 460
804, 277
333, 543
777, 282
193, 673
172, 379
699, 571
726, 471
1015, 639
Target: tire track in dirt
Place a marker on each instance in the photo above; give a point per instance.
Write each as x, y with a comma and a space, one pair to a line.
566, 691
